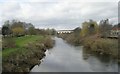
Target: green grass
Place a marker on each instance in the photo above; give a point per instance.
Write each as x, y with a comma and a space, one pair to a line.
20, 43
0, 53
8, 51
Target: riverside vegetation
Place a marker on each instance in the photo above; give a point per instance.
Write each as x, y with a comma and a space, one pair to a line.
23, 48
22, 53
94, 38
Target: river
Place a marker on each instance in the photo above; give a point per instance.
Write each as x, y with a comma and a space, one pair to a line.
64, 57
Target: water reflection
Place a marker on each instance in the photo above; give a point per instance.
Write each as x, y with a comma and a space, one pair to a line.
100, 62
66, 58
103, 58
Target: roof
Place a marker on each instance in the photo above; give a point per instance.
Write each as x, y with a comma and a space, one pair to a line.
65, 30
115, 28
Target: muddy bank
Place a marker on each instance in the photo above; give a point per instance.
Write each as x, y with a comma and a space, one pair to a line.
24, 61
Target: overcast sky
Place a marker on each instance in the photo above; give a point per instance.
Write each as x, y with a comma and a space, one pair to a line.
58, 14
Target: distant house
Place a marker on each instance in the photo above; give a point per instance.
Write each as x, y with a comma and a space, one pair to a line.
115, 32
64, 31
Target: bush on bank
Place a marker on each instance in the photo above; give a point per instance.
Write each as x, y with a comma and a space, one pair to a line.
71, 38
8, 43
102, 46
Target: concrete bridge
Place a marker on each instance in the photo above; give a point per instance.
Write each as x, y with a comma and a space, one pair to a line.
64, 31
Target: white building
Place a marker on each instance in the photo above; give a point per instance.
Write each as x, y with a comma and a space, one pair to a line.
115, 32
64, 31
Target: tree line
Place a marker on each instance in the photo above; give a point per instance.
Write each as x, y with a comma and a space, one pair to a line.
19, 28
91, 27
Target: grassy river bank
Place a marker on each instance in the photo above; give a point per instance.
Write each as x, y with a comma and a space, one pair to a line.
22, 53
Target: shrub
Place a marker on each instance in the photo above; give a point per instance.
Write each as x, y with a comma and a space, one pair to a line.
103, 46
48, 42
72, 38
8, 43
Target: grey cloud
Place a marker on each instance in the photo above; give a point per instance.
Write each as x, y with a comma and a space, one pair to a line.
60, 15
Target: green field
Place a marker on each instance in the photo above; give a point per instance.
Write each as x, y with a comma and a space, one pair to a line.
20, 43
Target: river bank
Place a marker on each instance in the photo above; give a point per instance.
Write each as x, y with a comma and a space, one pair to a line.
24, 52
73, 39
101, 46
